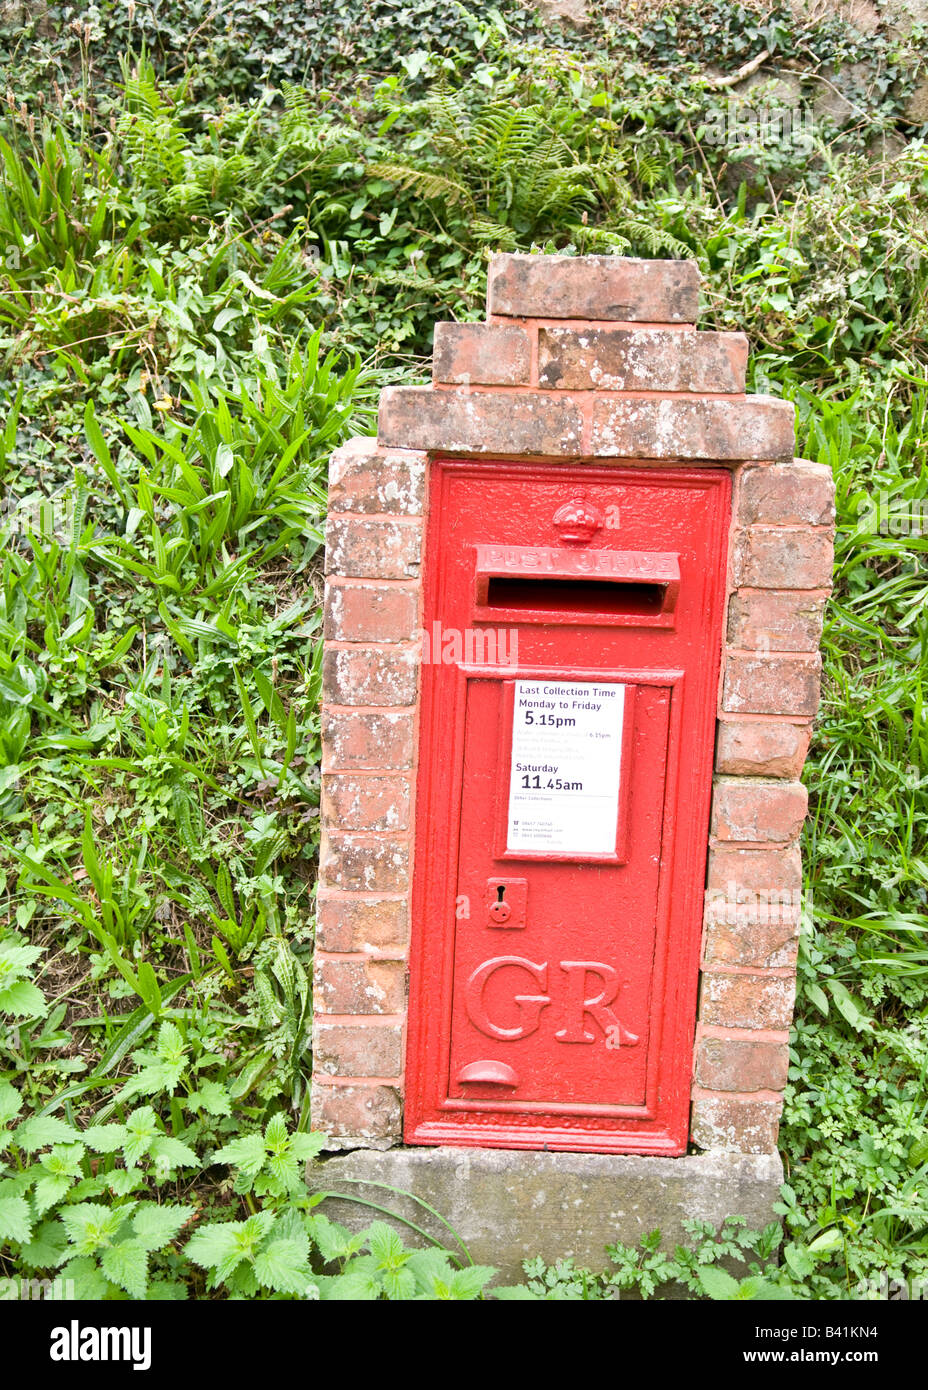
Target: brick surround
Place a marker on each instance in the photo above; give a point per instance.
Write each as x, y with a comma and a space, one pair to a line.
582, 359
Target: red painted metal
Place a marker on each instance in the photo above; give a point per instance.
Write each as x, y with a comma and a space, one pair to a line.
604, 589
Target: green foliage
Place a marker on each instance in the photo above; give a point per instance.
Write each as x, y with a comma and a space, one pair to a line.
698, 1266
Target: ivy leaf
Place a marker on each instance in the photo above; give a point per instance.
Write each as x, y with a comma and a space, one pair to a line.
126, 1265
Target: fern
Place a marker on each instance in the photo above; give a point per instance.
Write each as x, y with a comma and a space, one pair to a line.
181, 181
425, 182
506, 164
655, 241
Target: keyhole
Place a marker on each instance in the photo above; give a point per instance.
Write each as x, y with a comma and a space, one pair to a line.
500, 890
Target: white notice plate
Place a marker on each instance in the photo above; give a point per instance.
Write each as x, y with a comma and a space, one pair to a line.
566, 767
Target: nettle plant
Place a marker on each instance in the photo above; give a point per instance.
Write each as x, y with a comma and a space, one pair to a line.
86, 1203
51, 1172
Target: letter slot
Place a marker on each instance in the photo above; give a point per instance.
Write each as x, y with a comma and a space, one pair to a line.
556, 585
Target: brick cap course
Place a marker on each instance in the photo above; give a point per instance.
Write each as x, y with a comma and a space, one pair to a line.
486, 353
593, 287
594, 425
681, 427
641, 359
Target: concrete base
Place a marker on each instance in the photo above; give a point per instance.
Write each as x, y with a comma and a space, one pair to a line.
509, 1205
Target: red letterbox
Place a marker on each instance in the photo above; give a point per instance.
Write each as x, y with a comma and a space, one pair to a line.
572, 619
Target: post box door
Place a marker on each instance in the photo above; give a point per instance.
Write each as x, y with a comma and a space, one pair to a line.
572, 643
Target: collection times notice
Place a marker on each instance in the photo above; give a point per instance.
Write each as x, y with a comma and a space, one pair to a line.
566, 767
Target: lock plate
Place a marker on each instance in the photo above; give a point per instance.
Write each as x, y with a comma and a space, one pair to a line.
506, 901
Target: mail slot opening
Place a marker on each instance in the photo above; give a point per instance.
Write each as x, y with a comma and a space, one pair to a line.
608, 596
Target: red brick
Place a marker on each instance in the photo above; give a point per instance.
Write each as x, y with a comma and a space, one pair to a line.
347, 923
366, 478
369, 1049
743, 1126
378, 739
778, 557
485, 354
358, 1116
359, 987
746, 873
747, 1001
641, 359
364, 549
751, 810
761, 748
363, 863
733, 905
732, 1064
593, 287
770, 620
692, 428
370, 612
765, 945
357, 801
759, 684
787, 494
370, 675
480, 422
